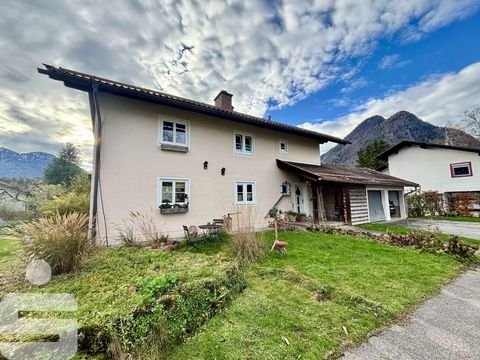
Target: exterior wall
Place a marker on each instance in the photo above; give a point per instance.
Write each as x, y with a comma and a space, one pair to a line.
132, 161
431, 168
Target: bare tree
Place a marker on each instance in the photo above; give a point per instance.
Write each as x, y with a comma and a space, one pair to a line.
472, 122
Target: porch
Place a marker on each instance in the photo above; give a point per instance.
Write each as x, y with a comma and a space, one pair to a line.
347, 195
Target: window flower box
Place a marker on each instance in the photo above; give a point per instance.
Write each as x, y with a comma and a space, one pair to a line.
174, 210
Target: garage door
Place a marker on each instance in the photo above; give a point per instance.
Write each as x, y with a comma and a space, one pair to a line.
375, 206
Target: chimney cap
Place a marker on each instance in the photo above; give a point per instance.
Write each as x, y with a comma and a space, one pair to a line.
222, 92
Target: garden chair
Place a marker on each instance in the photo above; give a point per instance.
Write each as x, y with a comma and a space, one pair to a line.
191, 235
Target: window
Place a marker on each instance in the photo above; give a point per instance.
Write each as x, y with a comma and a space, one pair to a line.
244, 143
173, 132
461, 169
283, 146
173, 191
245, 192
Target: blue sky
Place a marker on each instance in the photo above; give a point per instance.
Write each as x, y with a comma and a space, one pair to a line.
325, 65
394, 65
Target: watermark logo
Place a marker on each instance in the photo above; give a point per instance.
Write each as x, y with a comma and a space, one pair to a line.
23, 337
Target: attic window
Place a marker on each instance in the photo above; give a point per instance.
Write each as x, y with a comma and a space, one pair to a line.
283, 146
461, 169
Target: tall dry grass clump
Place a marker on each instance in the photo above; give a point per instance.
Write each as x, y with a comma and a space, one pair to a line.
247, 245
61, 240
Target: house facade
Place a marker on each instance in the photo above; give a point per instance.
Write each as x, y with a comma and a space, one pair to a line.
182, 162
438, 168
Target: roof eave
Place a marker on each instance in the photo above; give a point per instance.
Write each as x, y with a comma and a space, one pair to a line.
83, 84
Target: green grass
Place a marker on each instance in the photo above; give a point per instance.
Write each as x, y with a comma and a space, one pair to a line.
397, 229
366, 286
136, 298
455, 218
8, 248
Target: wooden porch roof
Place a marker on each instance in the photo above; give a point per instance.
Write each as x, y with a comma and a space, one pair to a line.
343, 174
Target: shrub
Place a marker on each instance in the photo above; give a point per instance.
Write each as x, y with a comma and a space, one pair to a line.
424, 204
68, 203
60, 240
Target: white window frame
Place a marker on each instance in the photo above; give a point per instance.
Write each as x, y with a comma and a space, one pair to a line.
243, 134
244, 184
173, 180
280, 146
175, 121
467, 164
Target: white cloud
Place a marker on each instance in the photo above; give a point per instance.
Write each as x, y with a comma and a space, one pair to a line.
261, 51
441, 100
392, 62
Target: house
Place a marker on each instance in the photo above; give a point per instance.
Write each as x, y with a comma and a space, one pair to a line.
188, 162
438, 168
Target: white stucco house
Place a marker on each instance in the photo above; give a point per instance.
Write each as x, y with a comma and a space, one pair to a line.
440, 168
187, 162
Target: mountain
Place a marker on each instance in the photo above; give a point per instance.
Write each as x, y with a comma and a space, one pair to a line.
400, 126
28, 165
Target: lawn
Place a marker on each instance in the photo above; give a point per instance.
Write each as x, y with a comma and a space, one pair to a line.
327, 293
455, 218
8, 248
138, 299
397, 229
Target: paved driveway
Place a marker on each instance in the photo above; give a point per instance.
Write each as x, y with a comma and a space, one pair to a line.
445, 327
459, 228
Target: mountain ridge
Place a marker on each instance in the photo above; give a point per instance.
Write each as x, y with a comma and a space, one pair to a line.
27, 165
402, 125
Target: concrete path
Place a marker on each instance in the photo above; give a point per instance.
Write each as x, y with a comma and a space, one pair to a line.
445, 327
460, 228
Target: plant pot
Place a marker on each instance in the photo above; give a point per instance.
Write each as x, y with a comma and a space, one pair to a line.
301, 218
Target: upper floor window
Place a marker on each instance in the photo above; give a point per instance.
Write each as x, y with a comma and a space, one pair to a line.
461, 169
174, 132
283, 146
245, 192
244, 143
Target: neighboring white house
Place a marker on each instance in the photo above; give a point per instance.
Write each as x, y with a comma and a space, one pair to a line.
186, 163
444, 169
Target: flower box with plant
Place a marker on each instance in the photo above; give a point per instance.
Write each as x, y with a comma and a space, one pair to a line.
167, 208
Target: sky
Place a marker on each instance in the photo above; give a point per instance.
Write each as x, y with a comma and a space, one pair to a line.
325, 65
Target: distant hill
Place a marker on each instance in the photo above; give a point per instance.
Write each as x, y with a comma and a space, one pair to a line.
400, 126
28, 165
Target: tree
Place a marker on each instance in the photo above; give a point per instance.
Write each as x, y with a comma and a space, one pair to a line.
367, 156
472, 122
64, 167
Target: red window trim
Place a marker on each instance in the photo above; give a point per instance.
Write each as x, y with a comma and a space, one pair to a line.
464, 163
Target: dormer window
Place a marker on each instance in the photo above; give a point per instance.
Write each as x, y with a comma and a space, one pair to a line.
244, 144
283, 146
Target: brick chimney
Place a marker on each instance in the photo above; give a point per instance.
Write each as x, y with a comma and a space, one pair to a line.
224, 101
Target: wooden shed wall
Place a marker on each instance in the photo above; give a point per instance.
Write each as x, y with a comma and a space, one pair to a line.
358, 205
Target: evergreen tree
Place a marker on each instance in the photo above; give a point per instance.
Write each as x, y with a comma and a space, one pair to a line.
367, 156
64, 167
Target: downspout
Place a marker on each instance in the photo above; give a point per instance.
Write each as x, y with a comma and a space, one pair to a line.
97, 130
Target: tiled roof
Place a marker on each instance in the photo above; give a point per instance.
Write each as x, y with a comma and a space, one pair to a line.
82, 81
343, 174
396, 148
